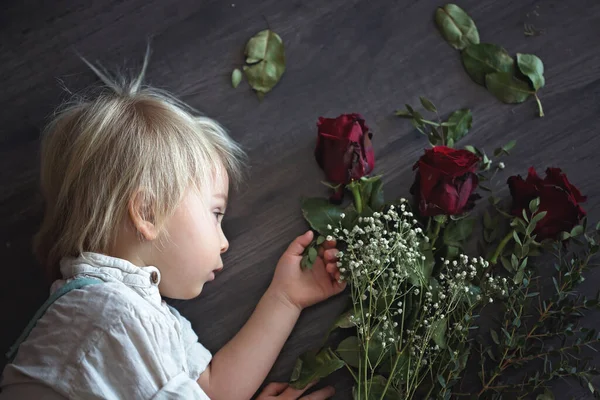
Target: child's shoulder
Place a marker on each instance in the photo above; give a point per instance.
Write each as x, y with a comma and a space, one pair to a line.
110, 302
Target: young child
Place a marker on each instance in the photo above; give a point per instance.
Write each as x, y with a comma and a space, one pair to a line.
136, 187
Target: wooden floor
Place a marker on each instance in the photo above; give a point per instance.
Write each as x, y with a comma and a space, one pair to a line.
342, 56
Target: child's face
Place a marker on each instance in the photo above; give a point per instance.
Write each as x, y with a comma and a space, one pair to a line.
192, 253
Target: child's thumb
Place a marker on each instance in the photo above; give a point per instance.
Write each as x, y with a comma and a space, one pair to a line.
300, 243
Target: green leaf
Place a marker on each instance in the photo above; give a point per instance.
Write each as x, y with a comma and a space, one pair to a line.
344, 320
266, 50
538, 217
441, 380
236, 77
577, 230
509, 146
319, 213
486, 58
487, 220
428, 105
507, 88
439, 332
311, 366
371, 191
494, 336
458, 231
471, 149
349, 351
462, 120
403, 114
320, 240
377, 388
533, 68
506, 264
422, 277
312, 255
456, 26
534, 205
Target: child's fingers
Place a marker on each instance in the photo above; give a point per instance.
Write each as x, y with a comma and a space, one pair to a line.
291, 393
328, 244
330, 255
320, 394
300, 243
274, 388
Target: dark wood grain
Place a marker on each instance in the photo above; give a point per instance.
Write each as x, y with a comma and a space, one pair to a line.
342, 56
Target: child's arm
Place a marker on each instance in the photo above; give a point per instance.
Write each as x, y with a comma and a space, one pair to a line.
238, 369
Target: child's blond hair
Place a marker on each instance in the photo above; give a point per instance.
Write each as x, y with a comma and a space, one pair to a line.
128, 140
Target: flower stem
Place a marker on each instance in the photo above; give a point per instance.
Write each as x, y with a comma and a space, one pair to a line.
357, 198
501, 247
435, 233
539, 105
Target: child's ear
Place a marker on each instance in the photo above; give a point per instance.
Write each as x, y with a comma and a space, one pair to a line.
142, 217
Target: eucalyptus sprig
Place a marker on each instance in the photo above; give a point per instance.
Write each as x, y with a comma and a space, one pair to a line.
544, 334
438, 133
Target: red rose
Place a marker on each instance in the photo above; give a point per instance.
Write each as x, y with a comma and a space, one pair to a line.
558, 197
344, 149
445, 181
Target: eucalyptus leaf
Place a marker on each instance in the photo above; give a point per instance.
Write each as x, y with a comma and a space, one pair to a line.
266, 51
507, 88
456, 26
486, 58
312, 366
531, 66
236, 77
462, 120
403, 113
427, 104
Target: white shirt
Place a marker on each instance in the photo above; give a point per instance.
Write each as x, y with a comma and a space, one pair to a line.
113, 340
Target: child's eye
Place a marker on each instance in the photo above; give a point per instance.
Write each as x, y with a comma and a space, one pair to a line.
219, 215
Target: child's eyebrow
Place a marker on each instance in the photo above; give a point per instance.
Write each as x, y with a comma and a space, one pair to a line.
221, 196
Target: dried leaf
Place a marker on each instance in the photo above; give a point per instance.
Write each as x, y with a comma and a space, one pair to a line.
236, 77
266, 52
456, 26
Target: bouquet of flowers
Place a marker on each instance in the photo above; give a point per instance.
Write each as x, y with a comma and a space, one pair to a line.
416, 287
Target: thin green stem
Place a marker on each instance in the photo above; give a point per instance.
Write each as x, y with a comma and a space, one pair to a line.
539, 103
357, 198
501, 247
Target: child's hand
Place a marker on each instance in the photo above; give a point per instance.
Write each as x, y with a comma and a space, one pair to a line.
305, 287
282, 391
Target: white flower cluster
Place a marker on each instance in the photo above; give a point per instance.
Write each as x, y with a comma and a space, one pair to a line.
386, 244
385, 265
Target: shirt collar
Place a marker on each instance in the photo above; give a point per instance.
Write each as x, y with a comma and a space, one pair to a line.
143, 280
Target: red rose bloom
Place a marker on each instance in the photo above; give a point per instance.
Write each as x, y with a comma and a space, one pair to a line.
558, 197
344, 149
445, 181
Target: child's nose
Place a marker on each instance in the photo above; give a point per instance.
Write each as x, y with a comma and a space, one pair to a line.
224, 245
